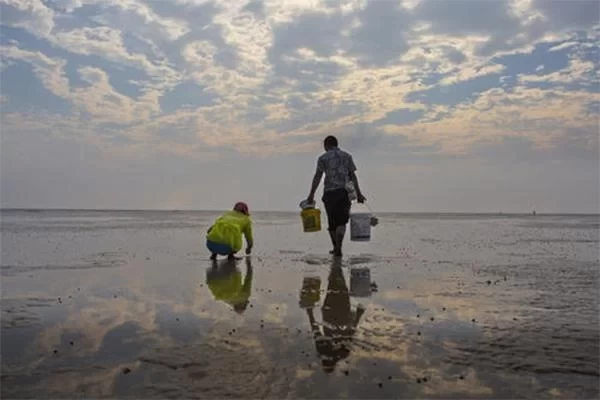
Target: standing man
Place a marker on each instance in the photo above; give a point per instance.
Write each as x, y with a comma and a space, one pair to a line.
339, 170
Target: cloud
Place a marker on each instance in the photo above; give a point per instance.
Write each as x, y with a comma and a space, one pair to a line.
380, 37
284, 66
138, 17
50, 71
196, 78
544, 117
401, 116
582, 14
562, 46
464, 17
104, 104
580, 71
98, 98
31, 15
186, 95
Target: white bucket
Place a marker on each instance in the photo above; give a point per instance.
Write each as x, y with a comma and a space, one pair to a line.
360, 282
360, 226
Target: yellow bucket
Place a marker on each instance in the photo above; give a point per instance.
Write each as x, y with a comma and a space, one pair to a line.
311, 219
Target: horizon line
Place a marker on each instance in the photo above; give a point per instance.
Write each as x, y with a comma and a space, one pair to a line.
34, 209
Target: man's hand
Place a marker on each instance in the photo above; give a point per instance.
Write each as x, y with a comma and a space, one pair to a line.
310, 199
248, 251
360, 198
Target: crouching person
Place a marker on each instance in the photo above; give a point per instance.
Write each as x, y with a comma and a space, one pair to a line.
224, 237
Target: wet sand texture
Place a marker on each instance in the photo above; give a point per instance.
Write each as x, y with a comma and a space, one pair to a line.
127, 304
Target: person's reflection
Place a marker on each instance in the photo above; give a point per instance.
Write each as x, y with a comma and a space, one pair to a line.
339, 320
224, 279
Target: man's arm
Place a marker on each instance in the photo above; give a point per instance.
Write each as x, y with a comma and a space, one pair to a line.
359, 196
315, 185
316, 181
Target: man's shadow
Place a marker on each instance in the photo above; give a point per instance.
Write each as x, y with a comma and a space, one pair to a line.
334, 338
224, 279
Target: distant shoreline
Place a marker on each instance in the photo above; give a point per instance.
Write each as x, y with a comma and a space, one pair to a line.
408, 213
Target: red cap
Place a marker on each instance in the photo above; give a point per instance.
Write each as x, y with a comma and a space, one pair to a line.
241, 207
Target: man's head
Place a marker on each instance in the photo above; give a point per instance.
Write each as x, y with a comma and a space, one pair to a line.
330, 142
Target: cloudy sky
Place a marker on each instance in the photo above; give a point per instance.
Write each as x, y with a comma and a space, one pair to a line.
446, 105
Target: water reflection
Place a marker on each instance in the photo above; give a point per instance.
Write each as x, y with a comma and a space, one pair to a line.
360, 282
224, 279
436, 328
333, 337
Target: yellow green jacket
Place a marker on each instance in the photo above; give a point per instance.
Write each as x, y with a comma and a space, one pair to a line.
229, 228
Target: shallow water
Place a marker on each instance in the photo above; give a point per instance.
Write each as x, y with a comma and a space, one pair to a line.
127, 304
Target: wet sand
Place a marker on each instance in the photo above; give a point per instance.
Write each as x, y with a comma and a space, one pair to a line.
127, 304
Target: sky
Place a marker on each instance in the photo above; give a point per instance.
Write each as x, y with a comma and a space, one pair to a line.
446, 106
